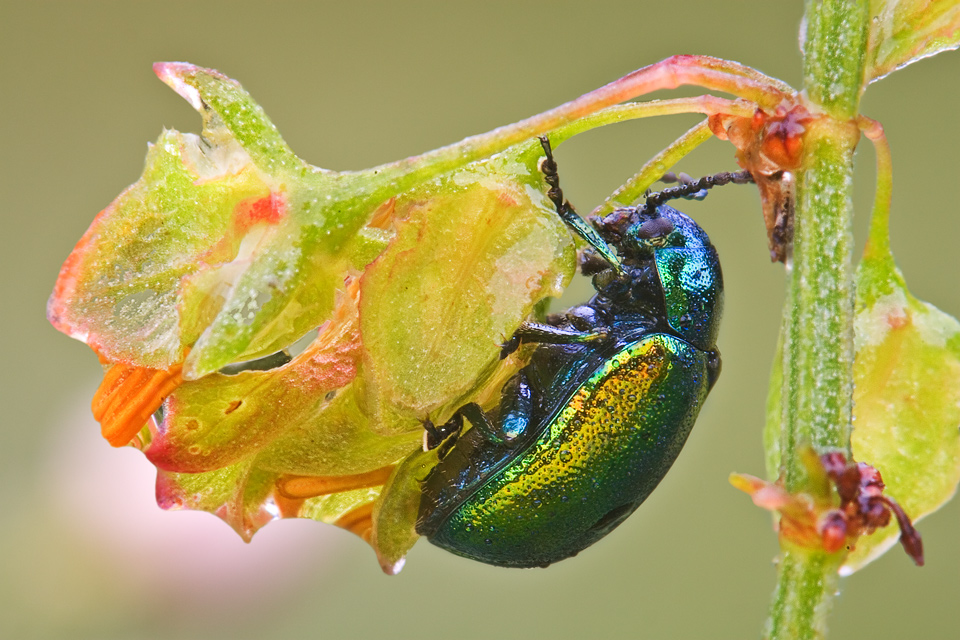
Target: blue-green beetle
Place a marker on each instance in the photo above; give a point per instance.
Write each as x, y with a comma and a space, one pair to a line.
591, 425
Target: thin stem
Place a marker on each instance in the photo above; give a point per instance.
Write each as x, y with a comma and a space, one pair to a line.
878, 242
705, 104
703, 71
805, 578
818, 346
834, 54
653, 170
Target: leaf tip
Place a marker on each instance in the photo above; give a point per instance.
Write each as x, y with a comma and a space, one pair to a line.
182, 78
175, 75
392, 568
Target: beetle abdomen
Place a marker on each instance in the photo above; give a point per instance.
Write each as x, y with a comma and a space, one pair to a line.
595, 461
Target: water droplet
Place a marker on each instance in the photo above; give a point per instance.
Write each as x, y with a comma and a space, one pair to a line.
566, 456
488, 541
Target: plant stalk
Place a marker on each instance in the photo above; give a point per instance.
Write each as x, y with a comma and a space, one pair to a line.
816, 404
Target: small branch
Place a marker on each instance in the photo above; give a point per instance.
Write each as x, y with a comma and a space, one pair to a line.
710, 73
654, 169
803, 596
878, 242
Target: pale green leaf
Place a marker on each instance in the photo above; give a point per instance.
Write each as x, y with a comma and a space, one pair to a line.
474, 253
904, 31
906, 398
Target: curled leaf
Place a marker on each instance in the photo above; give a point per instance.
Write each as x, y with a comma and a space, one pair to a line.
228, 244
118, 290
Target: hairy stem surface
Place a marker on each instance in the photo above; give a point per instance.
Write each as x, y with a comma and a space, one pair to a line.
816, 405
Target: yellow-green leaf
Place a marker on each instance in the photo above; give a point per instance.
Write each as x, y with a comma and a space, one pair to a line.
474, 252
906, 397
904, 31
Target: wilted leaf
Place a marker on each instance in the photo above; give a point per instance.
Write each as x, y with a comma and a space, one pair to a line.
118, 289
904, 31
228, 244
221, 419
238, 494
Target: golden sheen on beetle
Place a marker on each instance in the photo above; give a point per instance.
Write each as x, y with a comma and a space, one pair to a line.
586, 431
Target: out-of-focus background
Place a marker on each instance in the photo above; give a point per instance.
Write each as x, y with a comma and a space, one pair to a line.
84, 551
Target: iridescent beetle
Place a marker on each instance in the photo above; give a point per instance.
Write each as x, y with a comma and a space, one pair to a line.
591, 425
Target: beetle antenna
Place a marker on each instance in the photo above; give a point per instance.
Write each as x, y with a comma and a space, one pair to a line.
548, 166
697, 189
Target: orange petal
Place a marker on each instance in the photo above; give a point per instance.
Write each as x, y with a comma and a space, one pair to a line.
128, 396
359, 521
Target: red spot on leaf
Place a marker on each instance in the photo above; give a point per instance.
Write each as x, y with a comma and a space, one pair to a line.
252, 211
506, 199
898, 319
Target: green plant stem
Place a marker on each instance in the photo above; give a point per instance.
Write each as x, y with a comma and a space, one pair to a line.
806, 587
878, 242
818, 341
817, 363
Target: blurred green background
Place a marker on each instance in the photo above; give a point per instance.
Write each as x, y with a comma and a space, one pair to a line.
84, 551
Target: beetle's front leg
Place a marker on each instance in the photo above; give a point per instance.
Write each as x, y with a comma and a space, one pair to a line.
440, 435
548, 334
548, 166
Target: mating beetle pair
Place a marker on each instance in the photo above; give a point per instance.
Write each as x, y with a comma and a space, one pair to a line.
591, 425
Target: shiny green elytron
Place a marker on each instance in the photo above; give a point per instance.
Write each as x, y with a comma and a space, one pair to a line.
591, 425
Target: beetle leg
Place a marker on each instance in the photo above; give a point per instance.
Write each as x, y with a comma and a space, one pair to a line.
546, 334
516, 406
481, 421
440, 435
691, 189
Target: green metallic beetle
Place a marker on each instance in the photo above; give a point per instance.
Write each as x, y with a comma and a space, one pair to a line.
591, 425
